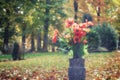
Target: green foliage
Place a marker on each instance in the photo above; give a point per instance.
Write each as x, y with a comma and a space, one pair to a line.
93, 39
78, 50
106, 37
10, 10
62, 45
116, 24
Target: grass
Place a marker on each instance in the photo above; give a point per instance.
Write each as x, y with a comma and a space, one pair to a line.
52, 64
95, 60
43, 60
49, 60
5, 57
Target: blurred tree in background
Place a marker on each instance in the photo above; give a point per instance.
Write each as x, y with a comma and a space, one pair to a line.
32, 22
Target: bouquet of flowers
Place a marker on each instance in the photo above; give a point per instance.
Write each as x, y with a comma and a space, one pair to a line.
74, 34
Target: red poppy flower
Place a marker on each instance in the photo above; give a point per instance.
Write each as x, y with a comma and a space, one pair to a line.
76, 39
76, 30
83, 33
54, 39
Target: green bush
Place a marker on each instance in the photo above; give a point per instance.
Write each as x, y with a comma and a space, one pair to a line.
103, 36
108, 36
93, 39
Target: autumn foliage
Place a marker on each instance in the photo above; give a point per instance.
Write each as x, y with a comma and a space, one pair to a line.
109, 71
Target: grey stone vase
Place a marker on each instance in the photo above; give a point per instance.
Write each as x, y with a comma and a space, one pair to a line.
76, 70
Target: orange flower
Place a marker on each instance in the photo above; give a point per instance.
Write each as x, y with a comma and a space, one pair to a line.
86, 30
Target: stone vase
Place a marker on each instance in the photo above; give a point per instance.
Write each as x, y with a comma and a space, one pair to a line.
76, 70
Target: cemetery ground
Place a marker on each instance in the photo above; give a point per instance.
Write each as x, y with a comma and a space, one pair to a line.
54, 66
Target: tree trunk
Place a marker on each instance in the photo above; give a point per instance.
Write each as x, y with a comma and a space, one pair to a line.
6, 38
119, 43
45, 43
75, 9
6, 32
98, 12
23, 38
39, 42
23, 43
32, 43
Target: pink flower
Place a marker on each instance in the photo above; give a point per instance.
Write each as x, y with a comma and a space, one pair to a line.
69, 22
56, 32
90, 23
83, 25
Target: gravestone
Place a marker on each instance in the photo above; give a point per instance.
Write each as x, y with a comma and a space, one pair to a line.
77, 69
15, 52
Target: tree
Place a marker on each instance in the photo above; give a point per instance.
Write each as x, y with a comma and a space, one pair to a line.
117, 27
46, 25
52, 8
23, 20
103, 10
7, 17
